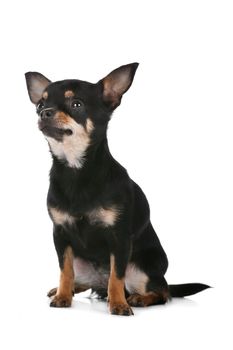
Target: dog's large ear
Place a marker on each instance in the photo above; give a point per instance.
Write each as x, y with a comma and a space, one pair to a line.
117, 83
36, 84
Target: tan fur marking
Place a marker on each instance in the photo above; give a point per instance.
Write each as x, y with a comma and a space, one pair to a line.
69, 93
60, 218
150, 298
116, 293
73, 147
45, 95
62, 118
106, 217
89, 126
77, 289
64, 293
67, 274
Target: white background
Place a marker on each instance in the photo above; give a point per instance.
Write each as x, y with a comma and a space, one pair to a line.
173, 132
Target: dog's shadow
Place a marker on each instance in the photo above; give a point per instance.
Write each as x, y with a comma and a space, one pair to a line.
90, 304
85, 302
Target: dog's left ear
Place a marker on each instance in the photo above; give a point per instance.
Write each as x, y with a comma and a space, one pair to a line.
36, 84
117, 83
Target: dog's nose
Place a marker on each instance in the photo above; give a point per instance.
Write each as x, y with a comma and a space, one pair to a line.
47, 113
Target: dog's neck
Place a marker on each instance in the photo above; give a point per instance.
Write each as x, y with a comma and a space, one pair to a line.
97, 158
89, 185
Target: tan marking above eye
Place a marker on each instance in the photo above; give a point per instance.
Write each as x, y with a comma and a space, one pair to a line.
69, 93
45, 95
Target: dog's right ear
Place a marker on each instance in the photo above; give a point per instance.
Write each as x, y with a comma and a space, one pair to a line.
36, 84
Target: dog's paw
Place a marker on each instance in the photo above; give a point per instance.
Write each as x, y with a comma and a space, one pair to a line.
120, 309
137, 300
61, 301
150, 298
52, 292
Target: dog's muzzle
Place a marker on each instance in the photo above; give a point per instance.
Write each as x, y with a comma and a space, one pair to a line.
47, 113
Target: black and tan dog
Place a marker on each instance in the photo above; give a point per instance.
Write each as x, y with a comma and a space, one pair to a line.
102, 230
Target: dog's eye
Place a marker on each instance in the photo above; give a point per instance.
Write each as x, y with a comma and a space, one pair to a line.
76, 104
39, 106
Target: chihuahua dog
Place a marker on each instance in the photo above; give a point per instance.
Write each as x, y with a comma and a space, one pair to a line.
101, 219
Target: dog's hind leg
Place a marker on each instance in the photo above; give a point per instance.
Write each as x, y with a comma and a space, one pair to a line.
77, 289
145, 280
52, 292
150, 298
145, 287
156, 293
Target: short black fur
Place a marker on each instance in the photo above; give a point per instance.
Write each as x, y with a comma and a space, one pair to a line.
101, 182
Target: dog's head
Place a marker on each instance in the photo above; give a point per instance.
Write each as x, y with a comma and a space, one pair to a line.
74, 114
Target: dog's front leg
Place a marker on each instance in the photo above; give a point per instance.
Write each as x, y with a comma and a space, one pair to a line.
63, 296
116, 288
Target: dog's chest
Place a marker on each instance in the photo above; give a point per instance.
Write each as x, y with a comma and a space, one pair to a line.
97, 216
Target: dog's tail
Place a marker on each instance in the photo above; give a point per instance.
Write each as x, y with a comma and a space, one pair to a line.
183, 290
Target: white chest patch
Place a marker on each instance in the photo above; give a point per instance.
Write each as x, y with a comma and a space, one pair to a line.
73, 147
105, 217
61, 218
135, 280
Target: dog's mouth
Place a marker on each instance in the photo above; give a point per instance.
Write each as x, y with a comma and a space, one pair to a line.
60, 131
53, 130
